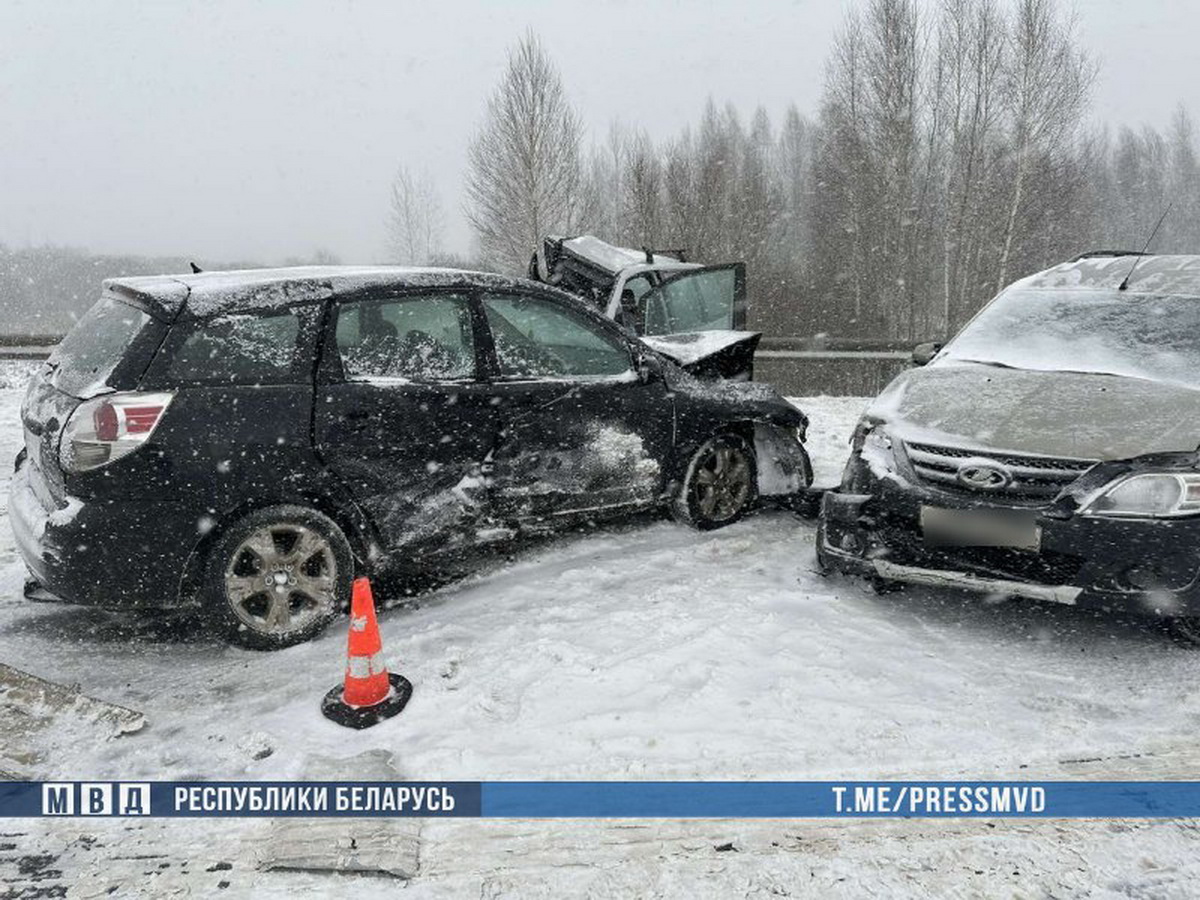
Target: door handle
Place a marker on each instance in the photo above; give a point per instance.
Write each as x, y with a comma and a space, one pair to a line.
356, 415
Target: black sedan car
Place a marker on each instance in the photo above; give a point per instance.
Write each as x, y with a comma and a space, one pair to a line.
252, 440
1049, 451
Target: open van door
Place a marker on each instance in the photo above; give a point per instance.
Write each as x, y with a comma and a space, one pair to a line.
711, 298
697, 317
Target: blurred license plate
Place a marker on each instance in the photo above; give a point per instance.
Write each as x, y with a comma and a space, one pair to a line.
979, 528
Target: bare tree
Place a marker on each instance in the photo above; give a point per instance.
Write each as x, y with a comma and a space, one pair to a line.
1184, 220
869, 164
604, 186
1047, 86
415, 219
893, 65
641, 192
843, 211
971, 46
525, 177
795, 174
682, 206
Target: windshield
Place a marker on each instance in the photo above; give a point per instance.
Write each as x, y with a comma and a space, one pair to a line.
86, 357
1107, 332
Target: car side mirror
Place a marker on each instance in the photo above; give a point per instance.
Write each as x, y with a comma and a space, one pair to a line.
649, 367
923, 353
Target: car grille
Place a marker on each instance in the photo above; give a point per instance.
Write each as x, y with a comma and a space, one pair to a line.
1034, 478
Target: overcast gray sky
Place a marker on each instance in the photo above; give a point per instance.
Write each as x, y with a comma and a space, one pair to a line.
258, 130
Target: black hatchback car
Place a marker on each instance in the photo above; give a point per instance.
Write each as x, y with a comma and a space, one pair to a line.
1051, 450
252, 440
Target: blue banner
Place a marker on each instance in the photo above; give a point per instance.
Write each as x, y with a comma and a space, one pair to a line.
607, 799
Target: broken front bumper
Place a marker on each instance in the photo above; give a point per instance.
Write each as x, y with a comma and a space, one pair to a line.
1137, 566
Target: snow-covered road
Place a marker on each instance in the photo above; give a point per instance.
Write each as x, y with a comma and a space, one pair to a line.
641, 651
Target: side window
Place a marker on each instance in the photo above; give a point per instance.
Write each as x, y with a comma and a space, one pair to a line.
241, 348
639, 286
411, 338
630, 315
538, 338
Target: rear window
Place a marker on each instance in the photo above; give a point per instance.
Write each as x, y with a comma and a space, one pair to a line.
238, 349
86, 357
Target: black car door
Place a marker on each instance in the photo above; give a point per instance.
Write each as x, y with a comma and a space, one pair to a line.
583, 433
403, 418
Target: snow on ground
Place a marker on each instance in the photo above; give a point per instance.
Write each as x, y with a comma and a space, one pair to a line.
648, 651
831, 421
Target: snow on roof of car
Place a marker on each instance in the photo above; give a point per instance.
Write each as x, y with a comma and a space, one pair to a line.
1175, 275
609, 256
208, 293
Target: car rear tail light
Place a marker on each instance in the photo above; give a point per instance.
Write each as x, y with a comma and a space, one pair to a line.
102, 430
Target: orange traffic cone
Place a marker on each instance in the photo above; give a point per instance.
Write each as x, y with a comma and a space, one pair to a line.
369, 693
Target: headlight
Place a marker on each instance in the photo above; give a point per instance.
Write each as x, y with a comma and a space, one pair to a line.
874, 446
1157, 494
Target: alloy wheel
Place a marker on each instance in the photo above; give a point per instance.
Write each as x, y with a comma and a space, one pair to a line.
281, 578
722, 483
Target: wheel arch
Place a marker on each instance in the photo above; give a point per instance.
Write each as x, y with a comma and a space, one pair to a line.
354, 524
743, 428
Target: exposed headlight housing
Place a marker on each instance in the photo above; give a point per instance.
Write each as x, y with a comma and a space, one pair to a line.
876, 441
873, 446
1150, 494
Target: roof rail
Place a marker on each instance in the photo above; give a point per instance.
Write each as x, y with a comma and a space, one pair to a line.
1092, 254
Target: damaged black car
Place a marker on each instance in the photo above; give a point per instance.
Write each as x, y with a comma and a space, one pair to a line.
250, 441
1049, 451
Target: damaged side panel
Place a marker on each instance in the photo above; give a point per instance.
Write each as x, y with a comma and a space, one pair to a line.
783, 465
421, 492
573, 448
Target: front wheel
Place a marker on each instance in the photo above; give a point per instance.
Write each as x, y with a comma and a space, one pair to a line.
277, 577
720, 485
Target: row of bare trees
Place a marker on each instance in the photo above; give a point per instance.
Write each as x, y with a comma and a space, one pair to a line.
951, 154
946, 156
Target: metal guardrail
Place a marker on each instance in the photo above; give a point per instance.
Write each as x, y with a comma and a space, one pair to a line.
27, 346
833, 354
24, 351
829, 343
33, 340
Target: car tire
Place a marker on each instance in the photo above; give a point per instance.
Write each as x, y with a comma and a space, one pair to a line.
277, 577
720, 485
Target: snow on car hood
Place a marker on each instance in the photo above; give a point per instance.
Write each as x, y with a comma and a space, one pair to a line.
1082, 415
691, 347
